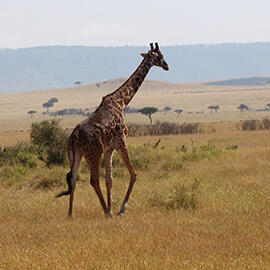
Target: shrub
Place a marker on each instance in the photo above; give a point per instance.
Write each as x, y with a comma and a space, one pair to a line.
266, 123
52, 178
20, 154
11, 175
163, 128
255, 124
205, 151
181, 196
51, 141
251, 124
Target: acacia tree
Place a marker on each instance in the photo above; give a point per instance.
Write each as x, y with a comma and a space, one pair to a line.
178, 111
243, 107
148, 111
32, 113
53, 100
214, 108
78, 83
166, 109
47, 105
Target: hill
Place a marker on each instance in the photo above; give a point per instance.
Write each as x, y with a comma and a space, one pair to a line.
51, 67
259, 81
193, 99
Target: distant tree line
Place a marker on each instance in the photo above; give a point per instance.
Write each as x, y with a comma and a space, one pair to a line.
147, 111
71, 111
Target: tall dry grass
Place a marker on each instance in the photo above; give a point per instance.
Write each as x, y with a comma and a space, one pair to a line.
225, 226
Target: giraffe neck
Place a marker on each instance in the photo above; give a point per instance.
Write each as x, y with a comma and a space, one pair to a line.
124, 94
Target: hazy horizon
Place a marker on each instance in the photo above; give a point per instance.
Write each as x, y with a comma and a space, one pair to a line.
34, 23
137, 46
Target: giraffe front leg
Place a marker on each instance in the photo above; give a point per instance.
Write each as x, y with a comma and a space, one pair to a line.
123, 152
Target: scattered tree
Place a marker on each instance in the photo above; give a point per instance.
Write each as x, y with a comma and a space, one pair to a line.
214, 108
148, 111
243, 107
178, 111
166, 109
47, 105
32, 113
53, 100
78, 83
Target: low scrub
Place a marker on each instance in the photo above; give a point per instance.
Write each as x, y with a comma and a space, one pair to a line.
10, 175
205, 151
21, 154
50, 179
163, 128
253, 124
182, 196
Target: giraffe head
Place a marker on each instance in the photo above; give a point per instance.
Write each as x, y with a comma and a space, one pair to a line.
156, 57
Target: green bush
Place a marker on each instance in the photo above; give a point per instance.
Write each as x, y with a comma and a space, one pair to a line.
205, 151
22, 154
181, 196
51, 141
10, 175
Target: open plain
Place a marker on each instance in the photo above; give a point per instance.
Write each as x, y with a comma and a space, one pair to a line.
201, 201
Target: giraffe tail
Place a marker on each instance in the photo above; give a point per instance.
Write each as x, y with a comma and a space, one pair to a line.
71, 156
64, 193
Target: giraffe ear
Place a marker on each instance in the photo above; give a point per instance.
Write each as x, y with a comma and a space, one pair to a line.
143, 55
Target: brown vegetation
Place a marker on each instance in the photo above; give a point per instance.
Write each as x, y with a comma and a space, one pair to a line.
163, 128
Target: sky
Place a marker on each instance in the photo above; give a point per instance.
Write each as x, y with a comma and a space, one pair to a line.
30, 23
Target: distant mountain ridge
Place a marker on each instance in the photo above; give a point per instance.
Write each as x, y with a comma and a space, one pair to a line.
50, 67
258, 81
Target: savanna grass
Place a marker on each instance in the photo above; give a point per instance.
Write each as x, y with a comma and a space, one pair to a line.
202, 201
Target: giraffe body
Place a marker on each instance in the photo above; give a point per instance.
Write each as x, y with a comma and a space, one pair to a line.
105, 131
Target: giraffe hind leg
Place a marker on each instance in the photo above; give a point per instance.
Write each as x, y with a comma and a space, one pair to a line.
108, 165
94, 181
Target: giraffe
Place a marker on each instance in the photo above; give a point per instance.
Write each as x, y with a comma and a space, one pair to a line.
105, 131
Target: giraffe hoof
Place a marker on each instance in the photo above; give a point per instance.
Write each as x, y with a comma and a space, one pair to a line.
109, 214
120, 213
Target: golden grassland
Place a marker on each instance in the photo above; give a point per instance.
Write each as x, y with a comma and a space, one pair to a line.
202, 206
227, 226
